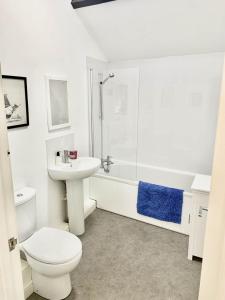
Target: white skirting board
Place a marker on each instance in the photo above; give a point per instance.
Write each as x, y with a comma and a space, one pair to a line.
27, 279
28, 290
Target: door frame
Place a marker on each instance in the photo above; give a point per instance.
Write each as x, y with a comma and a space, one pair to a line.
213, 269
11, 284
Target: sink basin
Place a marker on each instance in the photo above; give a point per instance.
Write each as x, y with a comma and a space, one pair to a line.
74, 173
81, 168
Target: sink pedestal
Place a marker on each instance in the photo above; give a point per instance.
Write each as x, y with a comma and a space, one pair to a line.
74, 173
75, 204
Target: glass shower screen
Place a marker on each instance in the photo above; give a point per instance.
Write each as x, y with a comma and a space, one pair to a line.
114, 118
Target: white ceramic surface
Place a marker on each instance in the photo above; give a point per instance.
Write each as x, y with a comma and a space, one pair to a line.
74, 174
56, 189
51, 253
80, 168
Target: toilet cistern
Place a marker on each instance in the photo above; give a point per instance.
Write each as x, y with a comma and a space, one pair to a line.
73, 174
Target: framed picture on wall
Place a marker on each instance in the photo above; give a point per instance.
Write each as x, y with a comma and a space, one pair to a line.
57, 100
16, 101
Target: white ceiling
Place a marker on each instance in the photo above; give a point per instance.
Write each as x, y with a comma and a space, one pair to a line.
133, 29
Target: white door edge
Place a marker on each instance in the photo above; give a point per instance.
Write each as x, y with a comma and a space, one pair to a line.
11, 285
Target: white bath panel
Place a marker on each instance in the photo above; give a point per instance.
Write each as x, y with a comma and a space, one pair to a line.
120, 197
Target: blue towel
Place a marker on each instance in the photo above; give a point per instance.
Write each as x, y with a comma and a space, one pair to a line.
160, 202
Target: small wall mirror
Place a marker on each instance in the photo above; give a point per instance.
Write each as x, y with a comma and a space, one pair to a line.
57, 98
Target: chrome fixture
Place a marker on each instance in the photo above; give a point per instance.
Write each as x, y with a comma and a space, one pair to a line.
91, 112
65, 157
111, 75
105, 163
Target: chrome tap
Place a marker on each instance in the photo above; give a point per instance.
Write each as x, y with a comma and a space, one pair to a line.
65, 156
105, 163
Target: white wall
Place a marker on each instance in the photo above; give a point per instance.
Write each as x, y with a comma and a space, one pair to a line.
178, 103
38, 38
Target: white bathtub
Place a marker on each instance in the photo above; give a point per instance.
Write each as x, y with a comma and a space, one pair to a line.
117, 191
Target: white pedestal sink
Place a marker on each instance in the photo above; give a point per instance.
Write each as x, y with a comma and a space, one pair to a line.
74, 174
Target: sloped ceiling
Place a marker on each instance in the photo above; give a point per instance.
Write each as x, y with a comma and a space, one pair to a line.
136, 29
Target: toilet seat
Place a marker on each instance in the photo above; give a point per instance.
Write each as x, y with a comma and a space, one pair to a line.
53, 246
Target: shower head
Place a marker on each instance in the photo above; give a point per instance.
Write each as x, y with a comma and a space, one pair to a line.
111, 75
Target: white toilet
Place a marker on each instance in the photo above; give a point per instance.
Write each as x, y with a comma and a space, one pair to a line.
51, 253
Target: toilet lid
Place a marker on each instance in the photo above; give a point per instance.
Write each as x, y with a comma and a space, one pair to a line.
52, 246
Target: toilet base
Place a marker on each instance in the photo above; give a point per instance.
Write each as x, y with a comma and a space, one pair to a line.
52, 288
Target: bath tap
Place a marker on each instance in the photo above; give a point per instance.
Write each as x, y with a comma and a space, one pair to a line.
105, 163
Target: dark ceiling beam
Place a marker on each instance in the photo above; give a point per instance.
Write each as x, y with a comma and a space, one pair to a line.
82, 3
